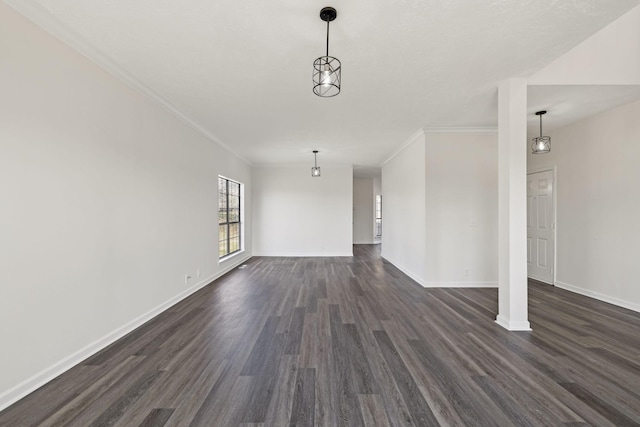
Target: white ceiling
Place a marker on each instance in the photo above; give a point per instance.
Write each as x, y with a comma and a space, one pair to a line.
242, 69
568, 104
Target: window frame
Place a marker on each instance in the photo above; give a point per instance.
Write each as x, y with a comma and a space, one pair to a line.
225, 213
378, 215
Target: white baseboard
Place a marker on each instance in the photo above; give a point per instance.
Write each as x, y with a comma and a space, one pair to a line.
512, 325
425, 284
16, 393
597, 295
409, 273
543, 280
467, 284
303, 254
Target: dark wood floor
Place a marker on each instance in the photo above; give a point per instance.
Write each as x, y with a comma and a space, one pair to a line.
352, 341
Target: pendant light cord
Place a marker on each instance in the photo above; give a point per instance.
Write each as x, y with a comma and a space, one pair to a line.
541, 125
327, 37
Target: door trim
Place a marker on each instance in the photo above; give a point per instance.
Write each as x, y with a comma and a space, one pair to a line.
554, 172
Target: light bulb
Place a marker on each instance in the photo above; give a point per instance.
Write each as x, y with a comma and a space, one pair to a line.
325, 76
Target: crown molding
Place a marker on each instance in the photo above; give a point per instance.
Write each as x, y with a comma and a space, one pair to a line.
430, 130
417, 134
302, 165
48, 22
460, 130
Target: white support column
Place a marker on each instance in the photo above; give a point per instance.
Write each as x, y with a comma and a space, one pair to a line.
512, 205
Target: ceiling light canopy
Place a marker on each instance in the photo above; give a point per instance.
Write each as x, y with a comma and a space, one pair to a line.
315, 169
541, 144
327, 69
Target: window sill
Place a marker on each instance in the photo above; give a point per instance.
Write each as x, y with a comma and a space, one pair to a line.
228, 257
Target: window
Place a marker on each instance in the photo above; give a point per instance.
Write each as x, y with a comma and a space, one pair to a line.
378, 215
229, 219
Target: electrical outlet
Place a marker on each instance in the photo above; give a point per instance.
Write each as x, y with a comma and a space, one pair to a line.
186, 278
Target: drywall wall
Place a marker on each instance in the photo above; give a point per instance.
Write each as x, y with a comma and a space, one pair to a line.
296, 214
107, 201
363, 210
403, 209
461, 209
598, 204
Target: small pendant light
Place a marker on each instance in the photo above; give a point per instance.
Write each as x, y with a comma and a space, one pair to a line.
327, 70
315, 169
541, 144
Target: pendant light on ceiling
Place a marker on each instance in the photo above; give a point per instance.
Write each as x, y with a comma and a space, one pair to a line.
315, 169
327, 70
541, 144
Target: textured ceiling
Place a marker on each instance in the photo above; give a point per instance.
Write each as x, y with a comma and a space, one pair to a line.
242, 69
568, 104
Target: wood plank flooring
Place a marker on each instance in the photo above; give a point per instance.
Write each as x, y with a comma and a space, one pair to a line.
353, 341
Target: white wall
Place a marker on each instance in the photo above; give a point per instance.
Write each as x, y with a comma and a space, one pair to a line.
363, 210
107, 201
296, 214
598, 204
403, 209
461, 209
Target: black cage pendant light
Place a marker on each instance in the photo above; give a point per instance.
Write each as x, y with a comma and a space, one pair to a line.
541, 144
327, 69
315, 169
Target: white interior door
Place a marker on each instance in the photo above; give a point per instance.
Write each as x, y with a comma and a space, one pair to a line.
540, 226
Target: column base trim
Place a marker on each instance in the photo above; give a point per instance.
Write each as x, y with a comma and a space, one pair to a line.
512, 326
